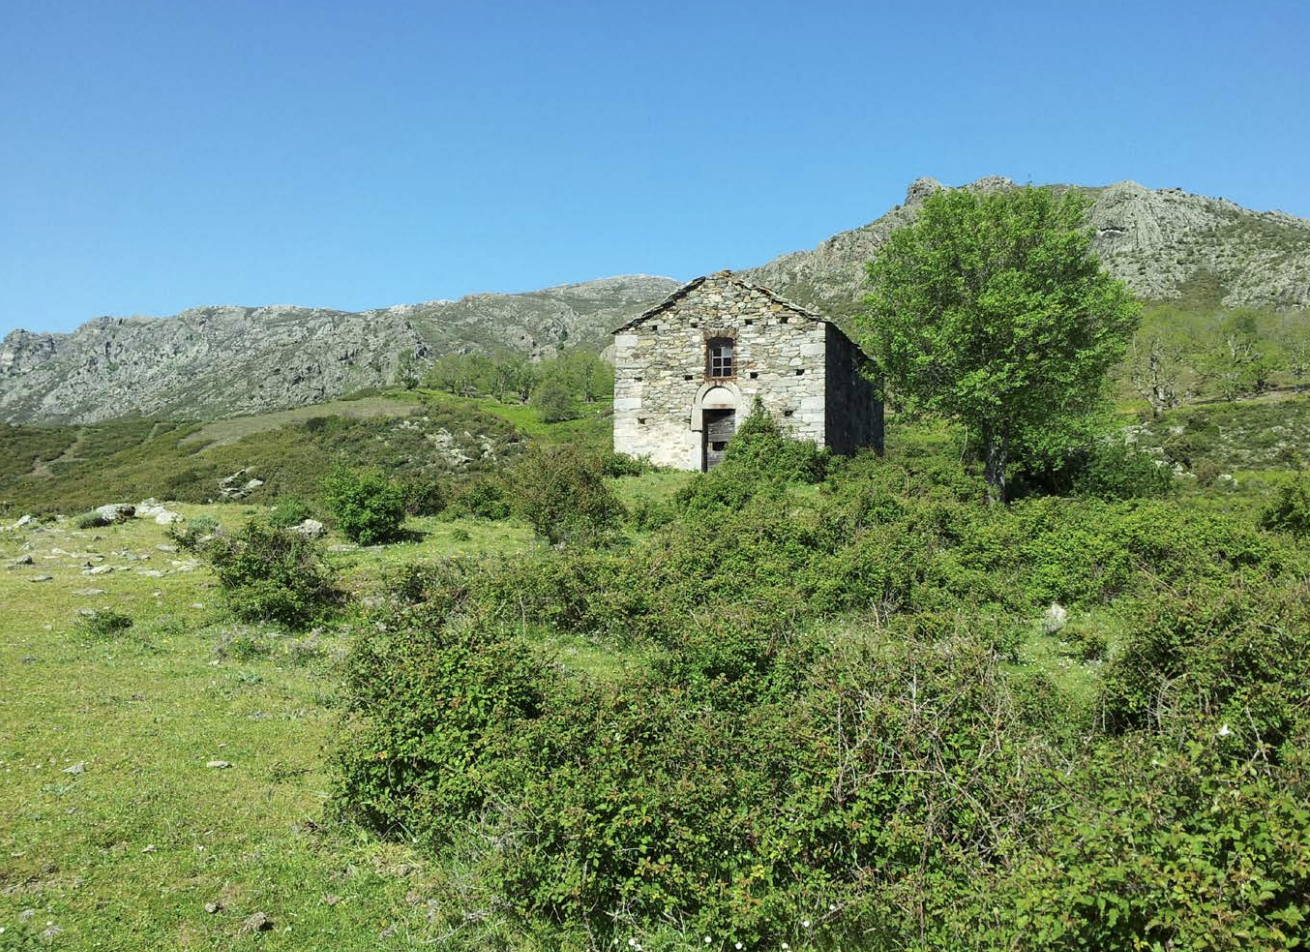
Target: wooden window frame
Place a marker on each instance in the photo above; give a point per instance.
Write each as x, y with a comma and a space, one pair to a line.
715, 366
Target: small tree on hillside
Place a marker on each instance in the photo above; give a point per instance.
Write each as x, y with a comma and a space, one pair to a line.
991, 309
366, 506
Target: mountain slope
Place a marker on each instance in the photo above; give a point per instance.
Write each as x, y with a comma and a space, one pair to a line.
217, 361
1154, 240
220, 361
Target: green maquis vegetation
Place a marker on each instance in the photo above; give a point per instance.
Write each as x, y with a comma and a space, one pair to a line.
839, 711
557, 388
992, 310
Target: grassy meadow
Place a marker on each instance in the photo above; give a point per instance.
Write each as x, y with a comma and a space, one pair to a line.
172, 785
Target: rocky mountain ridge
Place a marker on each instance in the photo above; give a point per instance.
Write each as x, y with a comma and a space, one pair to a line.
221, 361
1156, 241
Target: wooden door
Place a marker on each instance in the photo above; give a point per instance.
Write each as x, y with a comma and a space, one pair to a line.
719, 427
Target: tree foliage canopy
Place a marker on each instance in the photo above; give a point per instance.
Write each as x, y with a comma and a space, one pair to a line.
991, 309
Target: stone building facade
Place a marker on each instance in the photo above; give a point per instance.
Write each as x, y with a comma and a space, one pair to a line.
688, 371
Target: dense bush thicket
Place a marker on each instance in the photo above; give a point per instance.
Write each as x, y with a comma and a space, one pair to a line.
366, 506
832, 746
270, 574
561, 492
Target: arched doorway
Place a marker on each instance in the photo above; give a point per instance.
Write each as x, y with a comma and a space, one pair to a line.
718, 417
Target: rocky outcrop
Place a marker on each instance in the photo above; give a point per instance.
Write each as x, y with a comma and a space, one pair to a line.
223, 361
1156, 241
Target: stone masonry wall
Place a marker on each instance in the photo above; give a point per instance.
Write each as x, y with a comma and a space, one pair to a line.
854, 413
660, 369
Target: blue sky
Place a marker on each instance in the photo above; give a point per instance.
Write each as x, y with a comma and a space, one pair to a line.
158, 155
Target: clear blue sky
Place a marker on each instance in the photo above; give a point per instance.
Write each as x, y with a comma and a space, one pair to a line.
158, 155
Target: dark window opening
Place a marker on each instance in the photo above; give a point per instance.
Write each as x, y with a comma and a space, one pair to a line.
749, 322
719, 357
799, 371
639, 379
755, 374
686, 376
788, 412
718, 447
783, 320
641, 420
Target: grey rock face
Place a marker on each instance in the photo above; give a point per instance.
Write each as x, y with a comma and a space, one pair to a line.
116, 512
310, 529
223, 361
1152, 240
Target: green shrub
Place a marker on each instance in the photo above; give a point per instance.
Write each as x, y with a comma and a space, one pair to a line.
1117, 470
621, 464
289, 512
483, 498
90, 520
270, 574
1290, 511
761, 450
430, 701
424, 495
103, 625
648, 515
561, 492
365, 505
553, 400
191, 535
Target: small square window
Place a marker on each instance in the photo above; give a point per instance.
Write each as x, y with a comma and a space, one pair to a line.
686, 376
788, 413
719, 358
783, 320
799, 371
755, 375
749, 322
641, 420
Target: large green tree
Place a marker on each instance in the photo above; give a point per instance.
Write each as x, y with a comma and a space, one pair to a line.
992, 310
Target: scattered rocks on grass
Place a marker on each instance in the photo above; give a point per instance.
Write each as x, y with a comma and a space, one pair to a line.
98, 570
1056, 617
310, 529
77, 768
162, 515
218, 764
25, 520
41, 578
166, 547
213, 907
150, 849
232, 487
22, 560
256, 923
116, 512
90, 591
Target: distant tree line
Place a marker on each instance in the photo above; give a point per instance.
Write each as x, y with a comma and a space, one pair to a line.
557, 387
1180, 354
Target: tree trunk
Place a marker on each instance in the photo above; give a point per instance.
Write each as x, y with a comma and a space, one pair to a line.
997, 450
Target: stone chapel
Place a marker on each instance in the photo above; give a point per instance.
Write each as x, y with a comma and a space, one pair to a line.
688, 371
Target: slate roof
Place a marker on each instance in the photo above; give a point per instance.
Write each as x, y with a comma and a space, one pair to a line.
692, 285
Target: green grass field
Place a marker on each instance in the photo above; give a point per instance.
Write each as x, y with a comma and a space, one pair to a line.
130, 850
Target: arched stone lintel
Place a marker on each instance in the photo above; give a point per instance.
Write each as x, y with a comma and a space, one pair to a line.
707, 399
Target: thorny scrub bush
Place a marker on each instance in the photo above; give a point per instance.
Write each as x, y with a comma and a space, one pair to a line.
270, 574
366, 506
561, 492
832, 743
